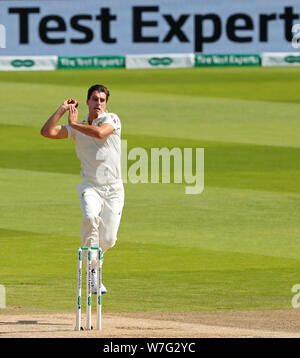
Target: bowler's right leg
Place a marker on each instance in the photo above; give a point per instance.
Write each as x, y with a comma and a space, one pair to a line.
91, 205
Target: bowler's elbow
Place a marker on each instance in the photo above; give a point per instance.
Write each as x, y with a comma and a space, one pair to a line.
101, 134
104, 131
44, 132
47, 133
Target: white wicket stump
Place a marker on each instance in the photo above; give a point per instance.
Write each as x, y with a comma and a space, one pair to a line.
99, 297
89, 288
79, 284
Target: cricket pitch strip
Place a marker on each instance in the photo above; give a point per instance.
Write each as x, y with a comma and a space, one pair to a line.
226, 324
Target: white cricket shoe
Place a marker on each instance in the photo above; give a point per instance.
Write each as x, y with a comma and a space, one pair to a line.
103, 289
94, 284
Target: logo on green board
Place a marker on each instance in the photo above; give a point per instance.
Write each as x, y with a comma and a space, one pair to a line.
22, 63
292, 59
164, 61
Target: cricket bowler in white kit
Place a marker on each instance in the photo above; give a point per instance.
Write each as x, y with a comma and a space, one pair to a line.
98, 147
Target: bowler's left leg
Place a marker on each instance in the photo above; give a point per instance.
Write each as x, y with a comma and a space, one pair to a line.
110, 217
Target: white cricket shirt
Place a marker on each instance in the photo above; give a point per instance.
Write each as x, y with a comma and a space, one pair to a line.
100, 158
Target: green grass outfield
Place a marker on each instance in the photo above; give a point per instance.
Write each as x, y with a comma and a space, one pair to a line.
234, 247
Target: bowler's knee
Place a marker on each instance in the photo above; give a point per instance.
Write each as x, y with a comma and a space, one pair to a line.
91, 221
107, 241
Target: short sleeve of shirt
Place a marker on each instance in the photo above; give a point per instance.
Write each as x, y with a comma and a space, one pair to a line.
113, 119
71, 131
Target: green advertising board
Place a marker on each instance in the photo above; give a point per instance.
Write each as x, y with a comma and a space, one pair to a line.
228, 60
81, 62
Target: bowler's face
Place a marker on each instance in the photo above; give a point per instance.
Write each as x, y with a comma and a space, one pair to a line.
97, 103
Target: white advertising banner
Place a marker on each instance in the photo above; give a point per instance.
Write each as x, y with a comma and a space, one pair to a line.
119, 27
281, 59
160, 61
28, 63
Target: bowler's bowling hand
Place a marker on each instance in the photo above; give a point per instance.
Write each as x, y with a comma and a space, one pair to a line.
65, 106
72, 101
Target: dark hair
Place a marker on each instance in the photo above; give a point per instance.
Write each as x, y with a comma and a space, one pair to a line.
98, 88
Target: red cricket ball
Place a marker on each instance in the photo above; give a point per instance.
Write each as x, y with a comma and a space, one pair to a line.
72, 101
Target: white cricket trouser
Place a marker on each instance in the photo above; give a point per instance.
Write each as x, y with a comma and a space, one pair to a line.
102, 207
